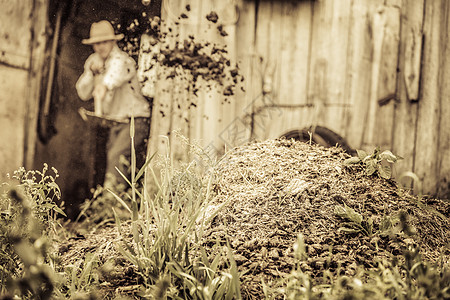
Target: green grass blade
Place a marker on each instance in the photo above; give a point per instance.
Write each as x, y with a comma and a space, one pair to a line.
120, 200
123, 176
141, 171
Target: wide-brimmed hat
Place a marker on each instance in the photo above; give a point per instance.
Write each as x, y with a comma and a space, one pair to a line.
100, 32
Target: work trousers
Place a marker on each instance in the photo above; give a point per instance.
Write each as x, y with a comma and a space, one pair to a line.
119, 144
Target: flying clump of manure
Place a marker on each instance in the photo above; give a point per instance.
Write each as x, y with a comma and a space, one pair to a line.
212, 17
200, 60
190, 58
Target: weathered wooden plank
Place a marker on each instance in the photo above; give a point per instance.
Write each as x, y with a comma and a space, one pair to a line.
372, 115
413, 56
405, 117
245, 54
295, 118
292, 69
37, 45
354, 71
328, 62
227, 106
283, 36
199, 115
387, 84
15, 24
147, 66
378, 26
181, 95
275, 81
359, 77
427, 135
301, 19
443, 155
160, 128
167, 105
263, 69
13, 83
16, 82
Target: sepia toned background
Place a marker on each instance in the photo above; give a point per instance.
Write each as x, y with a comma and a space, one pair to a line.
372, 72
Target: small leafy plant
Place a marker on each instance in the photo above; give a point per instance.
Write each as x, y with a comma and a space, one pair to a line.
353, 221
376, 163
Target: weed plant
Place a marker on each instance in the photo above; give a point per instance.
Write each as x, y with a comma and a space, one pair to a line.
376, 163
98, 211
28, 226
167, 228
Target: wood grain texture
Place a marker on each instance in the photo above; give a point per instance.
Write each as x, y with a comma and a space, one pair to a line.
427, 129
387, 83
37, 46
443, 142
405, 115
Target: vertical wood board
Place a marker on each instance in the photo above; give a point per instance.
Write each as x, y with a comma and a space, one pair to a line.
281, 73
12, 113
329, 60
245, 56
443, 155
358, 73
38, 29
15, 31
427, 129
387, 85
405, 116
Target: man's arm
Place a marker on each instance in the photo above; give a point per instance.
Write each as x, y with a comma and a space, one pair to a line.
85, 84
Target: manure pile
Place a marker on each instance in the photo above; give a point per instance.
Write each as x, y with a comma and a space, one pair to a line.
278, 189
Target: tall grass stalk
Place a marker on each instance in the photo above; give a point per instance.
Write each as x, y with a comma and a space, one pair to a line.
167, 228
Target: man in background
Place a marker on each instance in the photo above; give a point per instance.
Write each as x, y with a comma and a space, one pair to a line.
110, 79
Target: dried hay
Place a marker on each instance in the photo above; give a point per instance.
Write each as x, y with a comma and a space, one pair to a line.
281, 188
278, 189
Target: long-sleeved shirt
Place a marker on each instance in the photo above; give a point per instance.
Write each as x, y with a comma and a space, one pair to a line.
123, 98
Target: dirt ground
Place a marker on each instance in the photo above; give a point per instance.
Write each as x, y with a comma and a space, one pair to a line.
279, 189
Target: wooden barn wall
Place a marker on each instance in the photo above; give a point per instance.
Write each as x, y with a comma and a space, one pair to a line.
204, 116
22, 31
373, 71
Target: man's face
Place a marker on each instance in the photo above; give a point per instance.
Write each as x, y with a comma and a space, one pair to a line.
104, 48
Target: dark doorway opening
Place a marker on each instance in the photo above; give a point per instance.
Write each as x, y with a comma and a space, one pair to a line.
75, 147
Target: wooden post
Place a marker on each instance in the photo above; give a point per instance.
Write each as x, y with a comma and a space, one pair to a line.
37, 45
